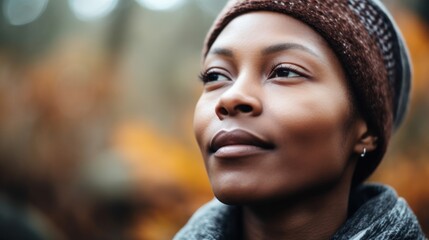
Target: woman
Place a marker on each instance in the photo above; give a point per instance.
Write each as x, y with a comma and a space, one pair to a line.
299, 102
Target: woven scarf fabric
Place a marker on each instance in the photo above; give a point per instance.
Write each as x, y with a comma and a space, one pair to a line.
378, 214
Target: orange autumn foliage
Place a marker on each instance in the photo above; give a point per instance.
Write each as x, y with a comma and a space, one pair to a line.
169, 175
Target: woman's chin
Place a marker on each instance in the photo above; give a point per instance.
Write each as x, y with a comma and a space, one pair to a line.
237, 194
236, 198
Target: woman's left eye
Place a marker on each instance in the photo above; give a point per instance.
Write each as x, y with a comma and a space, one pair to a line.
284, 72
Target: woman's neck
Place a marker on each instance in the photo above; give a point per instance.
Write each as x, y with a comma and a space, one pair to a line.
317, 216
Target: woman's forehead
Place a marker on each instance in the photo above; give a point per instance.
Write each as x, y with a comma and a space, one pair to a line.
267, 32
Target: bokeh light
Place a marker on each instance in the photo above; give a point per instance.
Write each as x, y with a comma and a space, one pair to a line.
161, 5
86, 10
21, 12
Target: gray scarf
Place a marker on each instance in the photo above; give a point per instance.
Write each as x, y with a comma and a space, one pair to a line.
378, 213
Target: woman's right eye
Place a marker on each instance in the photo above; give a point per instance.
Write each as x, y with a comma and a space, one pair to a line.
213, 77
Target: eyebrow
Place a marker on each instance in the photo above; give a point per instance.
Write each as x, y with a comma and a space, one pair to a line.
222, 51
287, 46
266, 51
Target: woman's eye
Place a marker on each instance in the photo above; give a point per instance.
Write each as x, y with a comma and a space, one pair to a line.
284, 72
213, 77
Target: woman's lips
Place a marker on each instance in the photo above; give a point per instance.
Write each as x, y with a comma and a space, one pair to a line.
237, 143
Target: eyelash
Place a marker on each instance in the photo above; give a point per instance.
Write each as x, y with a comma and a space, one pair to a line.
205, 76
287, 67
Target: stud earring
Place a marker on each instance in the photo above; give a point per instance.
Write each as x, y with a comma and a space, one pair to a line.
362, 155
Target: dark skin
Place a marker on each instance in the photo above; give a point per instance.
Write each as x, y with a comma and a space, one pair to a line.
276, 127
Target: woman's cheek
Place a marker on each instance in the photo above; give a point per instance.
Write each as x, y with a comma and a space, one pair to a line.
309, 125
204, 117
201, 117
309, 109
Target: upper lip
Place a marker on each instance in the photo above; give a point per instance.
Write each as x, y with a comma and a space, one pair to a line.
237, 137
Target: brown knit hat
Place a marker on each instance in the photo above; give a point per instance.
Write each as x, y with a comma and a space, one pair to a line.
368, 44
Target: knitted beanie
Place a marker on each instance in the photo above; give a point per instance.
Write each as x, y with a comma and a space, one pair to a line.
370, 48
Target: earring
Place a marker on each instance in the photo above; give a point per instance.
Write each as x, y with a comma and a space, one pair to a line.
362, 155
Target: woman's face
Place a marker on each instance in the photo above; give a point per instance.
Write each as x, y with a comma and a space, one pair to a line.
274, 119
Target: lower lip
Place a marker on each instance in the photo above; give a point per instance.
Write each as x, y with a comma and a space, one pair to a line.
238, 151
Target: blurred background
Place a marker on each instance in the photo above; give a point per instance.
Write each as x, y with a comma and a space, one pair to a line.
96, 105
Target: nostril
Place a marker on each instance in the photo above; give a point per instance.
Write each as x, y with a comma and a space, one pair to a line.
244, 108
223, 111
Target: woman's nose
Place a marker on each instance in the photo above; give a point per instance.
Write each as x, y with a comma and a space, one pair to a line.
239, 100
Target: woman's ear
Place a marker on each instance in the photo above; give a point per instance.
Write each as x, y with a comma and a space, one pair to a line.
365, 138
